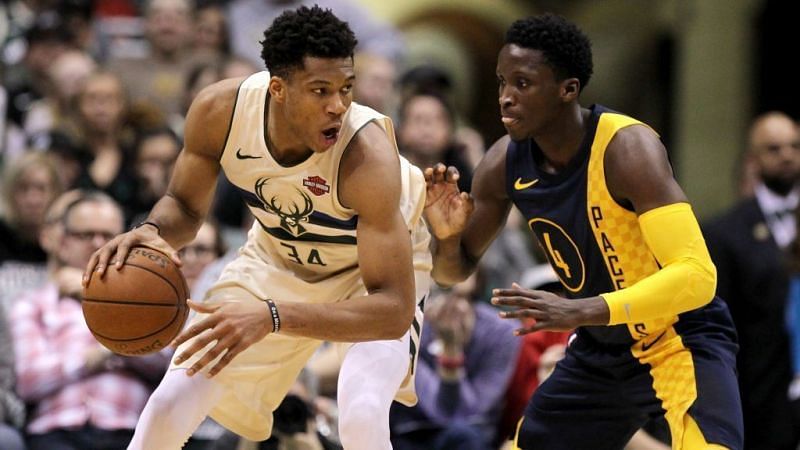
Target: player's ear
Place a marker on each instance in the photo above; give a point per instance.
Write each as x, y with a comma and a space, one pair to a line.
570, 89
277, 88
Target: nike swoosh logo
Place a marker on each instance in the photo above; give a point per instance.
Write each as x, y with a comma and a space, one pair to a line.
519, 185
239, 155
646, 346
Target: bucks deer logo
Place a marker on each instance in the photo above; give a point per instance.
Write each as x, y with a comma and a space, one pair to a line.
286, 201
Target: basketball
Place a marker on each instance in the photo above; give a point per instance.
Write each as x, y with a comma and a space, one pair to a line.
140, 308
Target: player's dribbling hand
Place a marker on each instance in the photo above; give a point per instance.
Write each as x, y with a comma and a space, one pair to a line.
234, 325
119, 247
446, 208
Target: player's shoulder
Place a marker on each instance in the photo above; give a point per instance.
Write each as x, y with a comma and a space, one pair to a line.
371, 143
635, 138
210, 116
219, 97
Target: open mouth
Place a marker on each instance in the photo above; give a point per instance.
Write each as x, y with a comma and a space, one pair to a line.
330, 135
509, 121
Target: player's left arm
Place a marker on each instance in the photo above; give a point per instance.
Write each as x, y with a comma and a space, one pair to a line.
638, 175
638, 171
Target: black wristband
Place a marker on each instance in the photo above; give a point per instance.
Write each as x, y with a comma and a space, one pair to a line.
147, 222
276, 318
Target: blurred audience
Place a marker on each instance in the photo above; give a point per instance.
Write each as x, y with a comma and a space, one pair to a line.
748, 244
12, 409
211, 41
249, 17
206, 248
83, 396
376, 75
158, 78
44, 41
466, 358
237, 66
56, 110
432, 79
425, 134
106, 136
30, 184
155, 154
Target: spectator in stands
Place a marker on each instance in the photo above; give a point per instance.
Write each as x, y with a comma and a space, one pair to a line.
748, 244
45, 40
56, 110
83, 395
376, 75
211, 42
30, 184
158, 78
12, 410
155, 155
247, 19
425, 134
106, 136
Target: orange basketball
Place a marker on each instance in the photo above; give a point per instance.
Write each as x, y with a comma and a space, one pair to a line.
140, 308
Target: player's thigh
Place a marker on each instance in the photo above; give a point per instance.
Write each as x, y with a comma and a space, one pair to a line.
714, 420
575, 409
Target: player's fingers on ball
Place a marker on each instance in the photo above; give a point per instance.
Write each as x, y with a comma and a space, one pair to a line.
122, 254
103, 257
87, 274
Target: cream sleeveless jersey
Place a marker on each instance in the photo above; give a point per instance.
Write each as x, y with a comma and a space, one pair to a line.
300, 222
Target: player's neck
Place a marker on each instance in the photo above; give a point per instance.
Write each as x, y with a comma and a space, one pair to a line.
282, 144
563, 140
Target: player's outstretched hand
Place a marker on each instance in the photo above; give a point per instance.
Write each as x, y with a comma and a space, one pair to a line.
234, 325
549, 311
119, 247
446, 208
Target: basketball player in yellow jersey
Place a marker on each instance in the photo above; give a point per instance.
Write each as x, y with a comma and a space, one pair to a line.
338, 251
598, 192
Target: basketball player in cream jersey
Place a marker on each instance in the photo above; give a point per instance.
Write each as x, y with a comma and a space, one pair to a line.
338, 250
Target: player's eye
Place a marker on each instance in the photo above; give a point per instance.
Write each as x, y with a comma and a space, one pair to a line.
319, 91
347, 89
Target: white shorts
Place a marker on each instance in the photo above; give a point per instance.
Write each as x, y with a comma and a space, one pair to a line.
257, 380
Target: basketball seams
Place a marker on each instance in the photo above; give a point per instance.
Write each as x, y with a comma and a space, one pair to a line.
169, 282
112, 339
173, 278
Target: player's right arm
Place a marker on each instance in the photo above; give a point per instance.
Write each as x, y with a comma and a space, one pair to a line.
465, 224
176, 217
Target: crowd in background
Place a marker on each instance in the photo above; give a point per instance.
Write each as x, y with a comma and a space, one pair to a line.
92, 105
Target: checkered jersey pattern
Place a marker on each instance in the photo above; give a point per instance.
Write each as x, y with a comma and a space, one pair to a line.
626, 254
50, 341
674, 379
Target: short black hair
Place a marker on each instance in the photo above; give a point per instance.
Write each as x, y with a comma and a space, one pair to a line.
314, 32
566, 49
